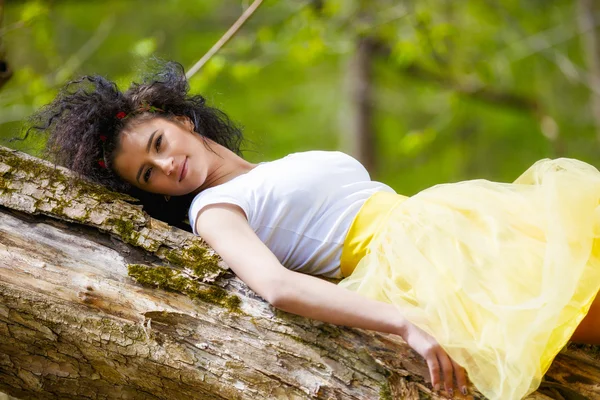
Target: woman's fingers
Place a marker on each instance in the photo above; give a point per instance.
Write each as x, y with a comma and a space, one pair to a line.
434, 370
448, 369
451, 370
461, 377
441, 366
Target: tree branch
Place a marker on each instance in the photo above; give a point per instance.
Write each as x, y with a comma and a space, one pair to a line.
474, 90
224, 39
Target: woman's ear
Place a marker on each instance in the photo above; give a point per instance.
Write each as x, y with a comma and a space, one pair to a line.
185, 121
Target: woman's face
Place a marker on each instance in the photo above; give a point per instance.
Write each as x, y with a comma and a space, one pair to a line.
162, 156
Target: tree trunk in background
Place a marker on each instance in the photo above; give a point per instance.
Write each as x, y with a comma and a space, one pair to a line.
75, 324
589, 23
358, 132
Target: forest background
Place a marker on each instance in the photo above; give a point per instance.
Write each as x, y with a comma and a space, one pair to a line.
423, 92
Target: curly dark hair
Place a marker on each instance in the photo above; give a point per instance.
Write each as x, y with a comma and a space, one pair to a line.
82, 128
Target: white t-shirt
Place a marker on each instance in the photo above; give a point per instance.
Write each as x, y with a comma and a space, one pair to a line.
300, 206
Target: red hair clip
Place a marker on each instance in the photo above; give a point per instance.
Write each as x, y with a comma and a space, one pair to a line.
121, 115
101, 163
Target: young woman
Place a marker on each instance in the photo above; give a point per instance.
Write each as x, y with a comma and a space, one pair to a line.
492, 277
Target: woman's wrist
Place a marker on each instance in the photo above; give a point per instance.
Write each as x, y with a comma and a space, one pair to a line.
400, 324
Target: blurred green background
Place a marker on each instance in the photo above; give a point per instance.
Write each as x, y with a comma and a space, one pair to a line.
422, 91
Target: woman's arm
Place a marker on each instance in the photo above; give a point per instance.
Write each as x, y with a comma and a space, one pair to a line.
226, 229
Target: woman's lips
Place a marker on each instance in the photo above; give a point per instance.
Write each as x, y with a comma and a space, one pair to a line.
183, 170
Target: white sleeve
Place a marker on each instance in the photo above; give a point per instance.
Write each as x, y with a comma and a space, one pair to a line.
205, 199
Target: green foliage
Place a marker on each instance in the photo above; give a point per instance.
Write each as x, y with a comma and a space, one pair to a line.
145, 47
441, 71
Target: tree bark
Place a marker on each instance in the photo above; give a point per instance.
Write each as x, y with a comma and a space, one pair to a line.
100, 301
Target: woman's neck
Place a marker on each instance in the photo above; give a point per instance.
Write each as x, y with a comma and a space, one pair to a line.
224, 165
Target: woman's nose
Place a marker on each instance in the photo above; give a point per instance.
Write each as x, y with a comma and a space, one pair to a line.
167, 165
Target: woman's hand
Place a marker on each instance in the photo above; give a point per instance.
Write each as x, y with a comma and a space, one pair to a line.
437, 360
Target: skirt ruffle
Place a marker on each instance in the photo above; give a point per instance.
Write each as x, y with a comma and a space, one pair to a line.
500, 274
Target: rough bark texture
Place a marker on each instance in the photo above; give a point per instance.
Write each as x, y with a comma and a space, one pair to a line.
75, 324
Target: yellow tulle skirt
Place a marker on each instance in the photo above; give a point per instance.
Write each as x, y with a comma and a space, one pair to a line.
500, 274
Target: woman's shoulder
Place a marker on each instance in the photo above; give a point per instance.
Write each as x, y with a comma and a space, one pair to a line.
318, 154
264, 171
316, 159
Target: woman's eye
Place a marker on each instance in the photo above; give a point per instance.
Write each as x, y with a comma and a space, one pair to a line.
147, 174
158, 142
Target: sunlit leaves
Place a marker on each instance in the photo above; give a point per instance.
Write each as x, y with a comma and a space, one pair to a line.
35, 15
32, 10
245, 70
404, 52
415, 141
145, 47
308, 50
208, 73
265, 34
282, 75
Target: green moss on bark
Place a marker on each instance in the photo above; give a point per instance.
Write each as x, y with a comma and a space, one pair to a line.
173, 280
385, 393
126, 229
197, 258
55, 176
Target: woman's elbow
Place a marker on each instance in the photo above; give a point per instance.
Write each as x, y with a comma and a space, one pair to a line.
276, 292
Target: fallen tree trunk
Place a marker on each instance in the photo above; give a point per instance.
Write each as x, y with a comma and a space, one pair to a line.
81, 318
